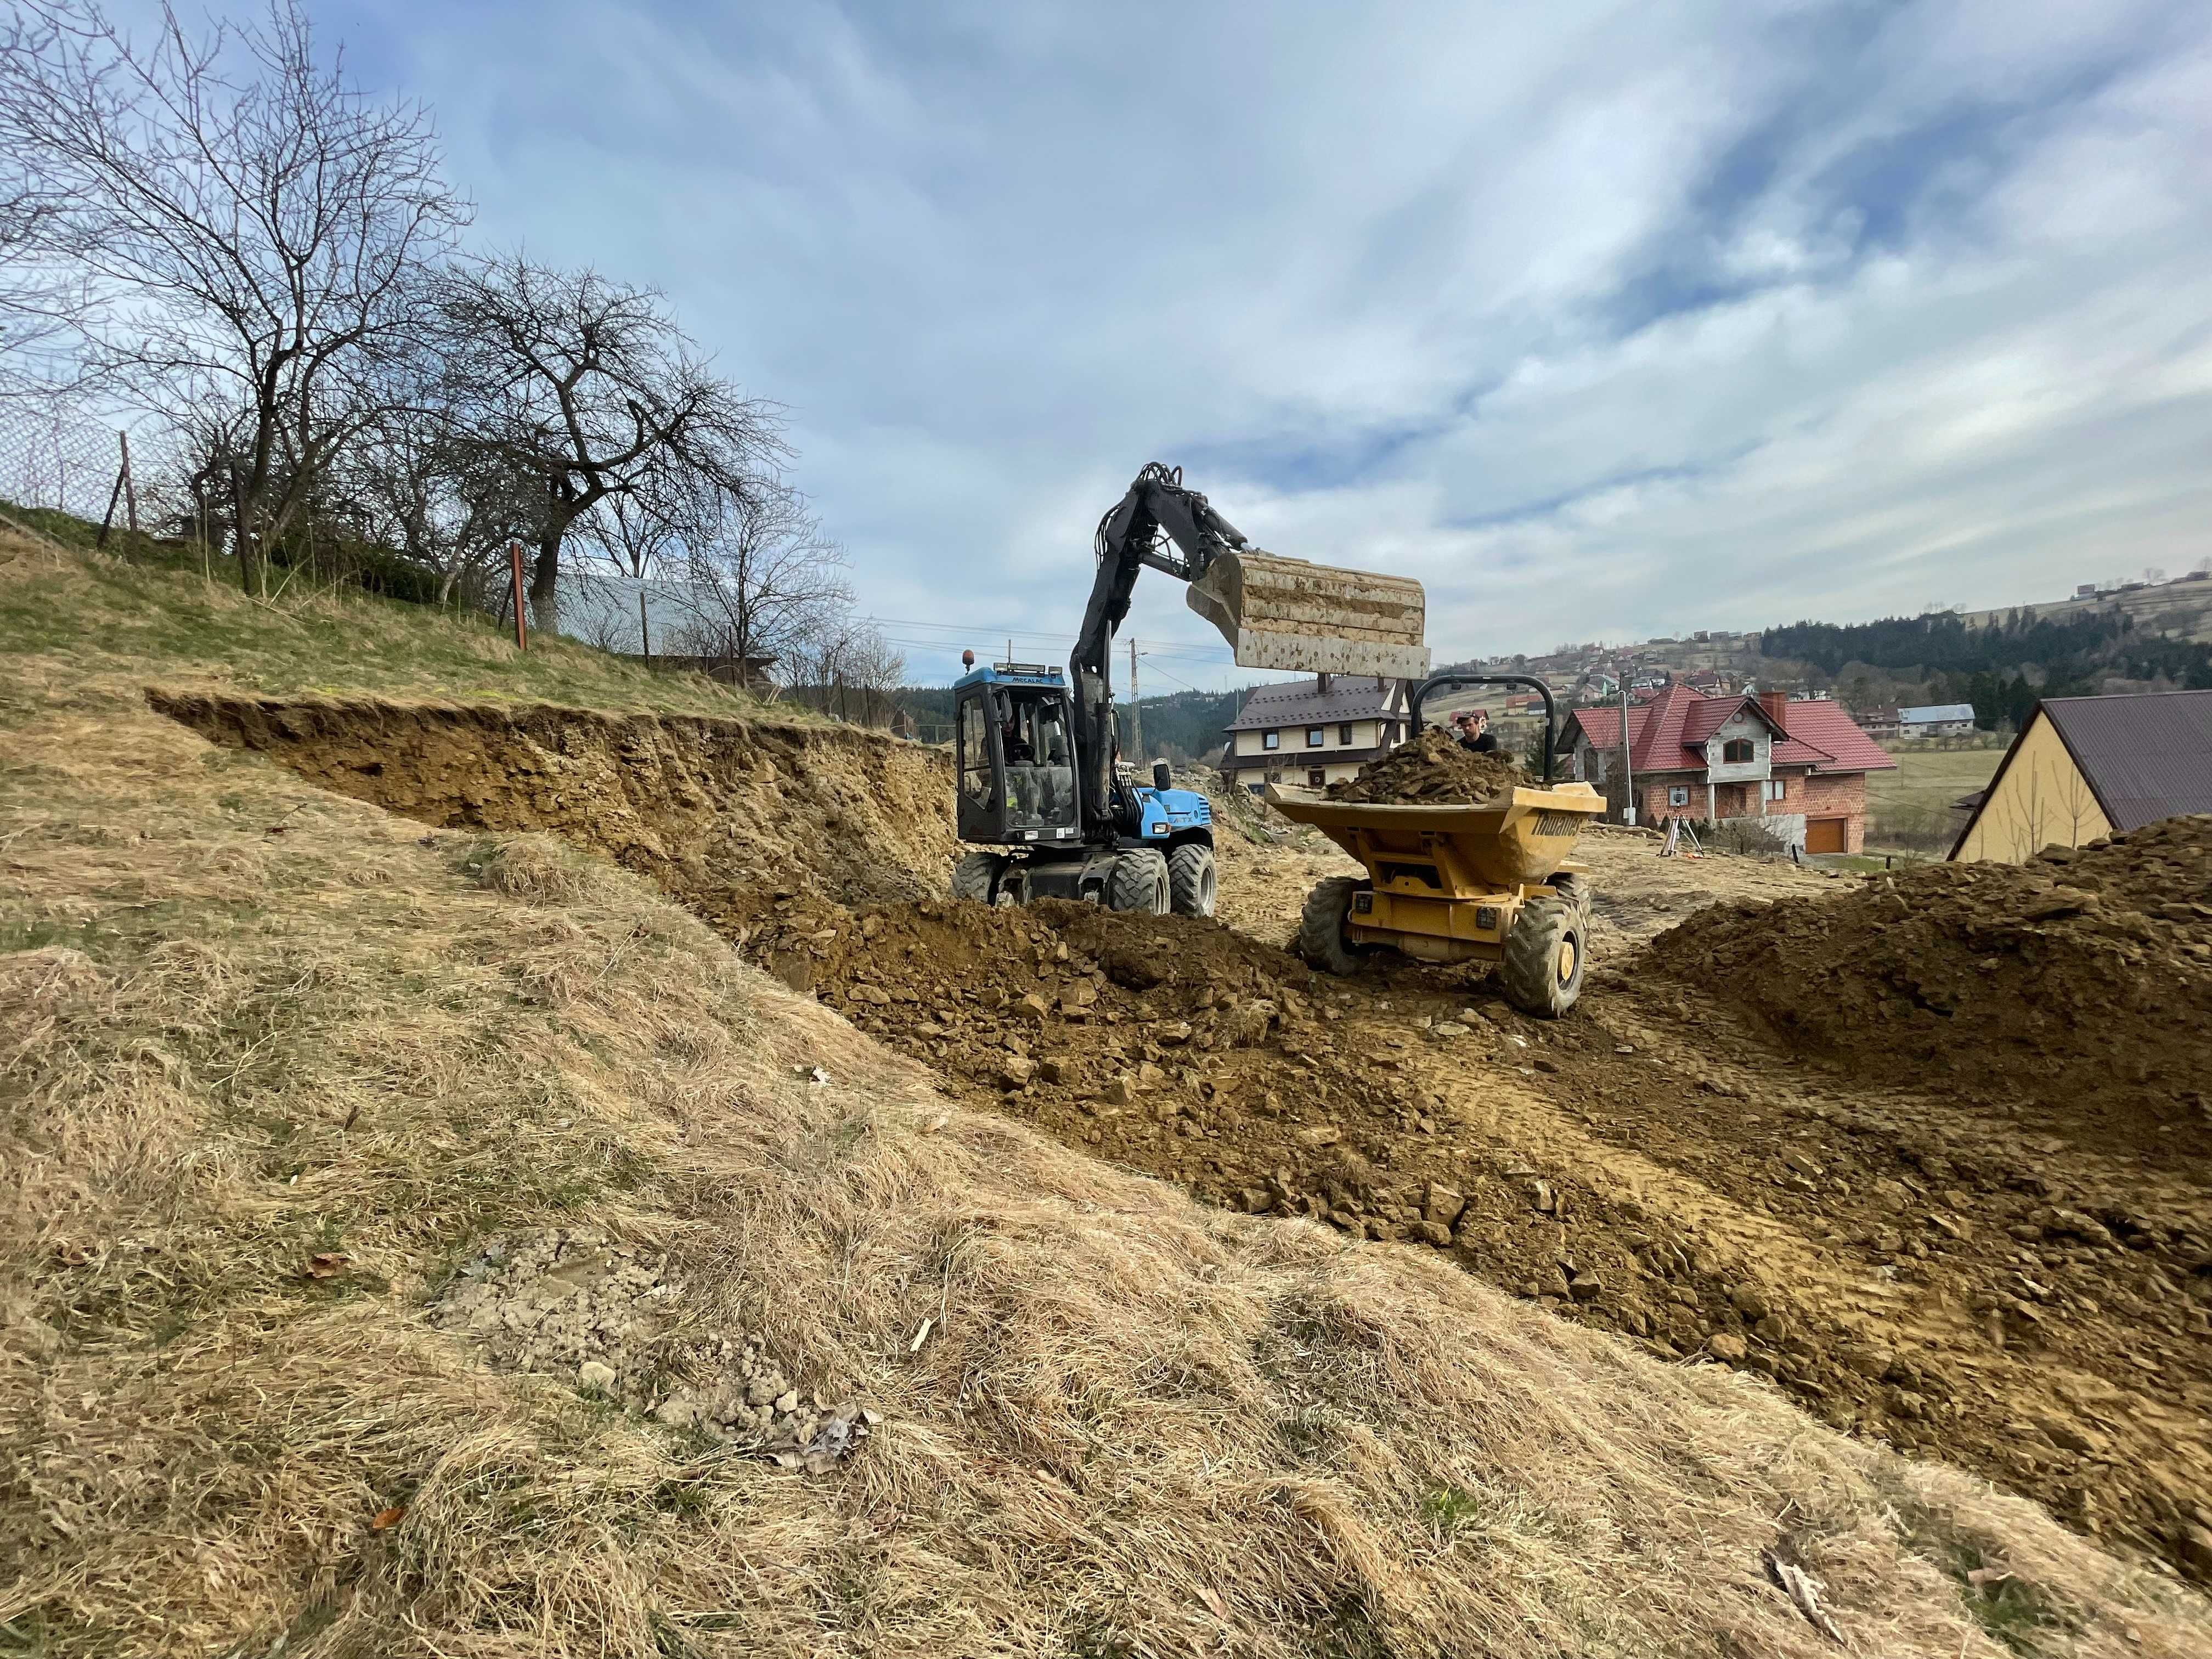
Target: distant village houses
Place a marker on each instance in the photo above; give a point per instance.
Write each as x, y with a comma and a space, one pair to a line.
1940, 719
1799, 769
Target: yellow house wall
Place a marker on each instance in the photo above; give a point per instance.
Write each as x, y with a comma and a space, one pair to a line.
2041, 798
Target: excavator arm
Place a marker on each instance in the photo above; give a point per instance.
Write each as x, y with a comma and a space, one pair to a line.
1274, 612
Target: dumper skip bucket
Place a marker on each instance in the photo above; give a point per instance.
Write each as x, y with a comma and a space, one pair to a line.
1286, 613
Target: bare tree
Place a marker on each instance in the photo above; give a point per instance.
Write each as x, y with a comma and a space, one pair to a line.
440, 503
842, 665
589, 386
760, 579
251, 229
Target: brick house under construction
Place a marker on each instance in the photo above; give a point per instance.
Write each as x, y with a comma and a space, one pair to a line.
1798, 769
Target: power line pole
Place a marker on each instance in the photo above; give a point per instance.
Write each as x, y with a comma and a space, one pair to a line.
1136, 720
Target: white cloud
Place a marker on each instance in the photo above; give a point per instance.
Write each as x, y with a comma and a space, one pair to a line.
1620, 321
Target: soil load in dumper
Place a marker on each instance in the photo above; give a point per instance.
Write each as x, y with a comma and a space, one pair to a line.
1463, 881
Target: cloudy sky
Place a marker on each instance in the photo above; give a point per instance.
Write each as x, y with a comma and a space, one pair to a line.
1602, 320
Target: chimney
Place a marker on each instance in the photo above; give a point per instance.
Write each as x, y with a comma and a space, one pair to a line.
1321, 684
1776, 705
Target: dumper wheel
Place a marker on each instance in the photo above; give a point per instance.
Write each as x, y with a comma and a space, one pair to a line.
1542, 970
976, 875
1575, 890
1138, 881
1322, 940
1191, 879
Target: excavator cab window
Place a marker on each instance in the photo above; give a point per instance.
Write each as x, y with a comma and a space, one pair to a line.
1016, 764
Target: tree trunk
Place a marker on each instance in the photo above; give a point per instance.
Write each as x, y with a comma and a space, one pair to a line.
544, 587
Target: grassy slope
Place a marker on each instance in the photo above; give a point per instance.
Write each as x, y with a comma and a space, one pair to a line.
244, 1023
156, 616
1910, 807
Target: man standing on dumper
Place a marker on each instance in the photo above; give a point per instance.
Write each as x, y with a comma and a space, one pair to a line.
1474, 726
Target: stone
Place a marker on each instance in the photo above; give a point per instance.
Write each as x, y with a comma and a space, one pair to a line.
1801, 1162
1316, 1135
1430, 1232
1869, 1359
1150, 1076
1542, 1198
2193, 1546
1120, 1091
1585, 1288
1051, 1071
1172, 1034
1255, 1200
1442, 1205
1544, 1065
1749, 1301
595, 1374
787, 1402
678, 1411
1448, 1027
1730, 1349
1015, 1072
1032, 1007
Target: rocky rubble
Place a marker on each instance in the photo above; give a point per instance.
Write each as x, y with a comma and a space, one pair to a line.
1433, 769
576, 1304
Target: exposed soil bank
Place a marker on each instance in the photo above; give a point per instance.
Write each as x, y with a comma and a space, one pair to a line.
697, 804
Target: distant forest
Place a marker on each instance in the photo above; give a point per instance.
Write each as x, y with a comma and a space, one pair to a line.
2001, 668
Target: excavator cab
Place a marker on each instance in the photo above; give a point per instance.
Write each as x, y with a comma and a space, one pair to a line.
1014, 734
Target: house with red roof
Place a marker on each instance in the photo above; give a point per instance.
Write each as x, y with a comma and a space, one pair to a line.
1798, 768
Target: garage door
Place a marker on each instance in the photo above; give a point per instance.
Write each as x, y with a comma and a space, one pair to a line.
1827, 835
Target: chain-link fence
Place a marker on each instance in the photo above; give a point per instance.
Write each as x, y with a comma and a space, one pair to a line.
54, 459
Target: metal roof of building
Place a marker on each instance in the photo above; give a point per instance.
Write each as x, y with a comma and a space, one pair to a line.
2146, 756
1936, 711
1301, 702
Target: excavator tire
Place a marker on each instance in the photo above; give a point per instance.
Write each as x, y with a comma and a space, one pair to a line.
1321, 938
1545, 954
976, 875
1138, 882
1191, 879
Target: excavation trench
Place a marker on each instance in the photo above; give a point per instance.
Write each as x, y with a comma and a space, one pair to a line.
1932, 1272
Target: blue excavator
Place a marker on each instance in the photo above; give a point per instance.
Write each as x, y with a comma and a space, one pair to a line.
1042, 791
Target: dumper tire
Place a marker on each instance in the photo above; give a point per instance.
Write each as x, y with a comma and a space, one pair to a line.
1191, 879
1575, 890
1322, 940
1545, 956
977, 876
1138, 882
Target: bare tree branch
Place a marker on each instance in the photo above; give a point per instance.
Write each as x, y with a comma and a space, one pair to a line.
252, 230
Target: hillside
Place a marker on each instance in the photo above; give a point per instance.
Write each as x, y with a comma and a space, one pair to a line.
425, 1234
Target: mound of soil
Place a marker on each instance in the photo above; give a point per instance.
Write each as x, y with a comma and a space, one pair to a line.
1432, 769
2079, 985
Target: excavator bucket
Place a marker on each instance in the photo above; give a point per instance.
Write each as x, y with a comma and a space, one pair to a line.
1286, 613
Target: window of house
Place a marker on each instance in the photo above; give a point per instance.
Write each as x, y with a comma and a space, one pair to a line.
1777, 789
1737, 751
1678, 794
1271, 740
1344, 734
1315, 778
1315, 736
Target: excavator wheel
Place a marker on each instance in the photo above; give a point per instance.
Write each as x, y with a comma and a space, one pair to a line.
1138, 881
1191, 879
1542, 971
976, 875
1321, 938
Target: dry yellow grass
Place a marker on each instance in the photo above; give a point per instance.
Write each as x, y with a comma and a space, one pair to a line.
243, 1023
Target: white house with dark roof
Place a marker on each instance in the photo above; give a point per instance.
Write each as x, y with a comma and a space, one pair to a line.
1314, 732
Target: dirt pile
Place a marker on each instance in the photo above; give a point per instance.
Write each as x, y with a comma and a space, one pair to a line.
695, 803
2079, 986
1433, 769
